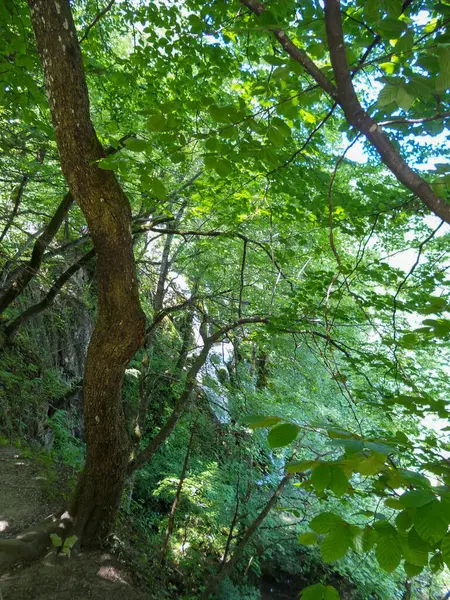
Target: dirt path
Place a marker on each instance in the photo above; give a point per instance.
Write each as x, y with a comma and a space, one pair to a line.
93, 575
22, 498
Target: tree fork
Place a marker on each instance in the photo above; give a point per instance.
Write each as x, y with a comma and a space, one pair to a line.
120, 326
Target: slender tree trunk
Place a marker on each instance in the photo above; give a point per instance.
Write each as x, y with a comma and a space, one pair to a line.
407, 592
176, 500
239, 550
120, 326
262, 370
233, 523
155, 444
13, 326
147, 454
16, 197
25, 274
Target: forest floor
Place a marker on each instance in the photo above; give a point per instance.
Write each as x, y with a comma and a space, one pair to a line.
24, 502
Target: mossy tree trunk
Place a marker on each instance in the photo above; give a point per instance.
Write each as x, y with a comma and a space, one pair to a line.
120, 325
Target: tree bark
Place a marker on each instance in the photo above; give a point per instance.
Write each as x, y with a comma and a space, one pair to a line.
407, 593
120, 326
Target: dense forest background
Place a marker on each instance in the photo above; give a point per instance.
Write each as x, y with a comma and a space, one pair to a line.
224, 299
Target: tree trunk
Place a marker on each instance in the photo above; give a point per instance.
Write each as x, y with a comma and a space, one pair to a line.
239, 550
262, 370
171, 523
407, 593
120, 325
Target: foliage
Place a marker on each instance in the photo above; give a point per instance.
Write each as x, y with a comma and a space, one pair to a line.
262, 211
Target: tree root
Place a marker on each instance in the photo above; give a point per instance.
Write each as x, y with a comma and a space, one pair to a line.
33, 543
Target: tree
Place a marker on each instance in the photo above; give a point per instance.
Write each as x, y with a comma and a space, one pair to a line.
120, 324
223, 167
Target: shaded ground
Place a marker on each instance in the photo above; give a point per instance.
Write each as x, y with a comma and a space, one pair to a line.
22, 498
93, 575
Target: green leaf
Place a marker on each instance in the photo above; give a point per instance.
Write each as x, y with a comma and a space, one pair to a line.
331, 593
335, 545
177, 157
369, 466
282, 435
301, 466
275, 61
321, 477
391, 28
372, 10
380, 447
220, 114
415, 550
276, 137
393, 503
69, 543
196, 23
255, 421
281, 125
436, 563
350, 446
387, 95
156, 123
404, 520
308, 539
416, 498
339, 482
109, 163
326, 522
136, 145
388, 553
403, 99
393, 8
319, 592
412, 570
370, 537
445, 549
223, 167
405, 43
429, 522
154, 185
443, 80
56, 540
415, 479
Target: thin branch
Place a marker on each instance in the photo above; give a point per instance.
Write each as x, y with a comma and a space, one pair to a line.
241, 287
17, 196
405, 279
12, 327
101, 14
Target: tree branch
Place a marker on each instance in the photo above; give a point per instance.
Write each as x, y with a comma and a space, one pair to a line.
346, 97
357, 116
29, 270
12, 327
17, 196
101, 14
191, 378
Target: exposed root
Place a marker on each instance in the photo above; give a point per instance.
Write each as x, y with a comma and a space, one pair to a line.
33, 543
